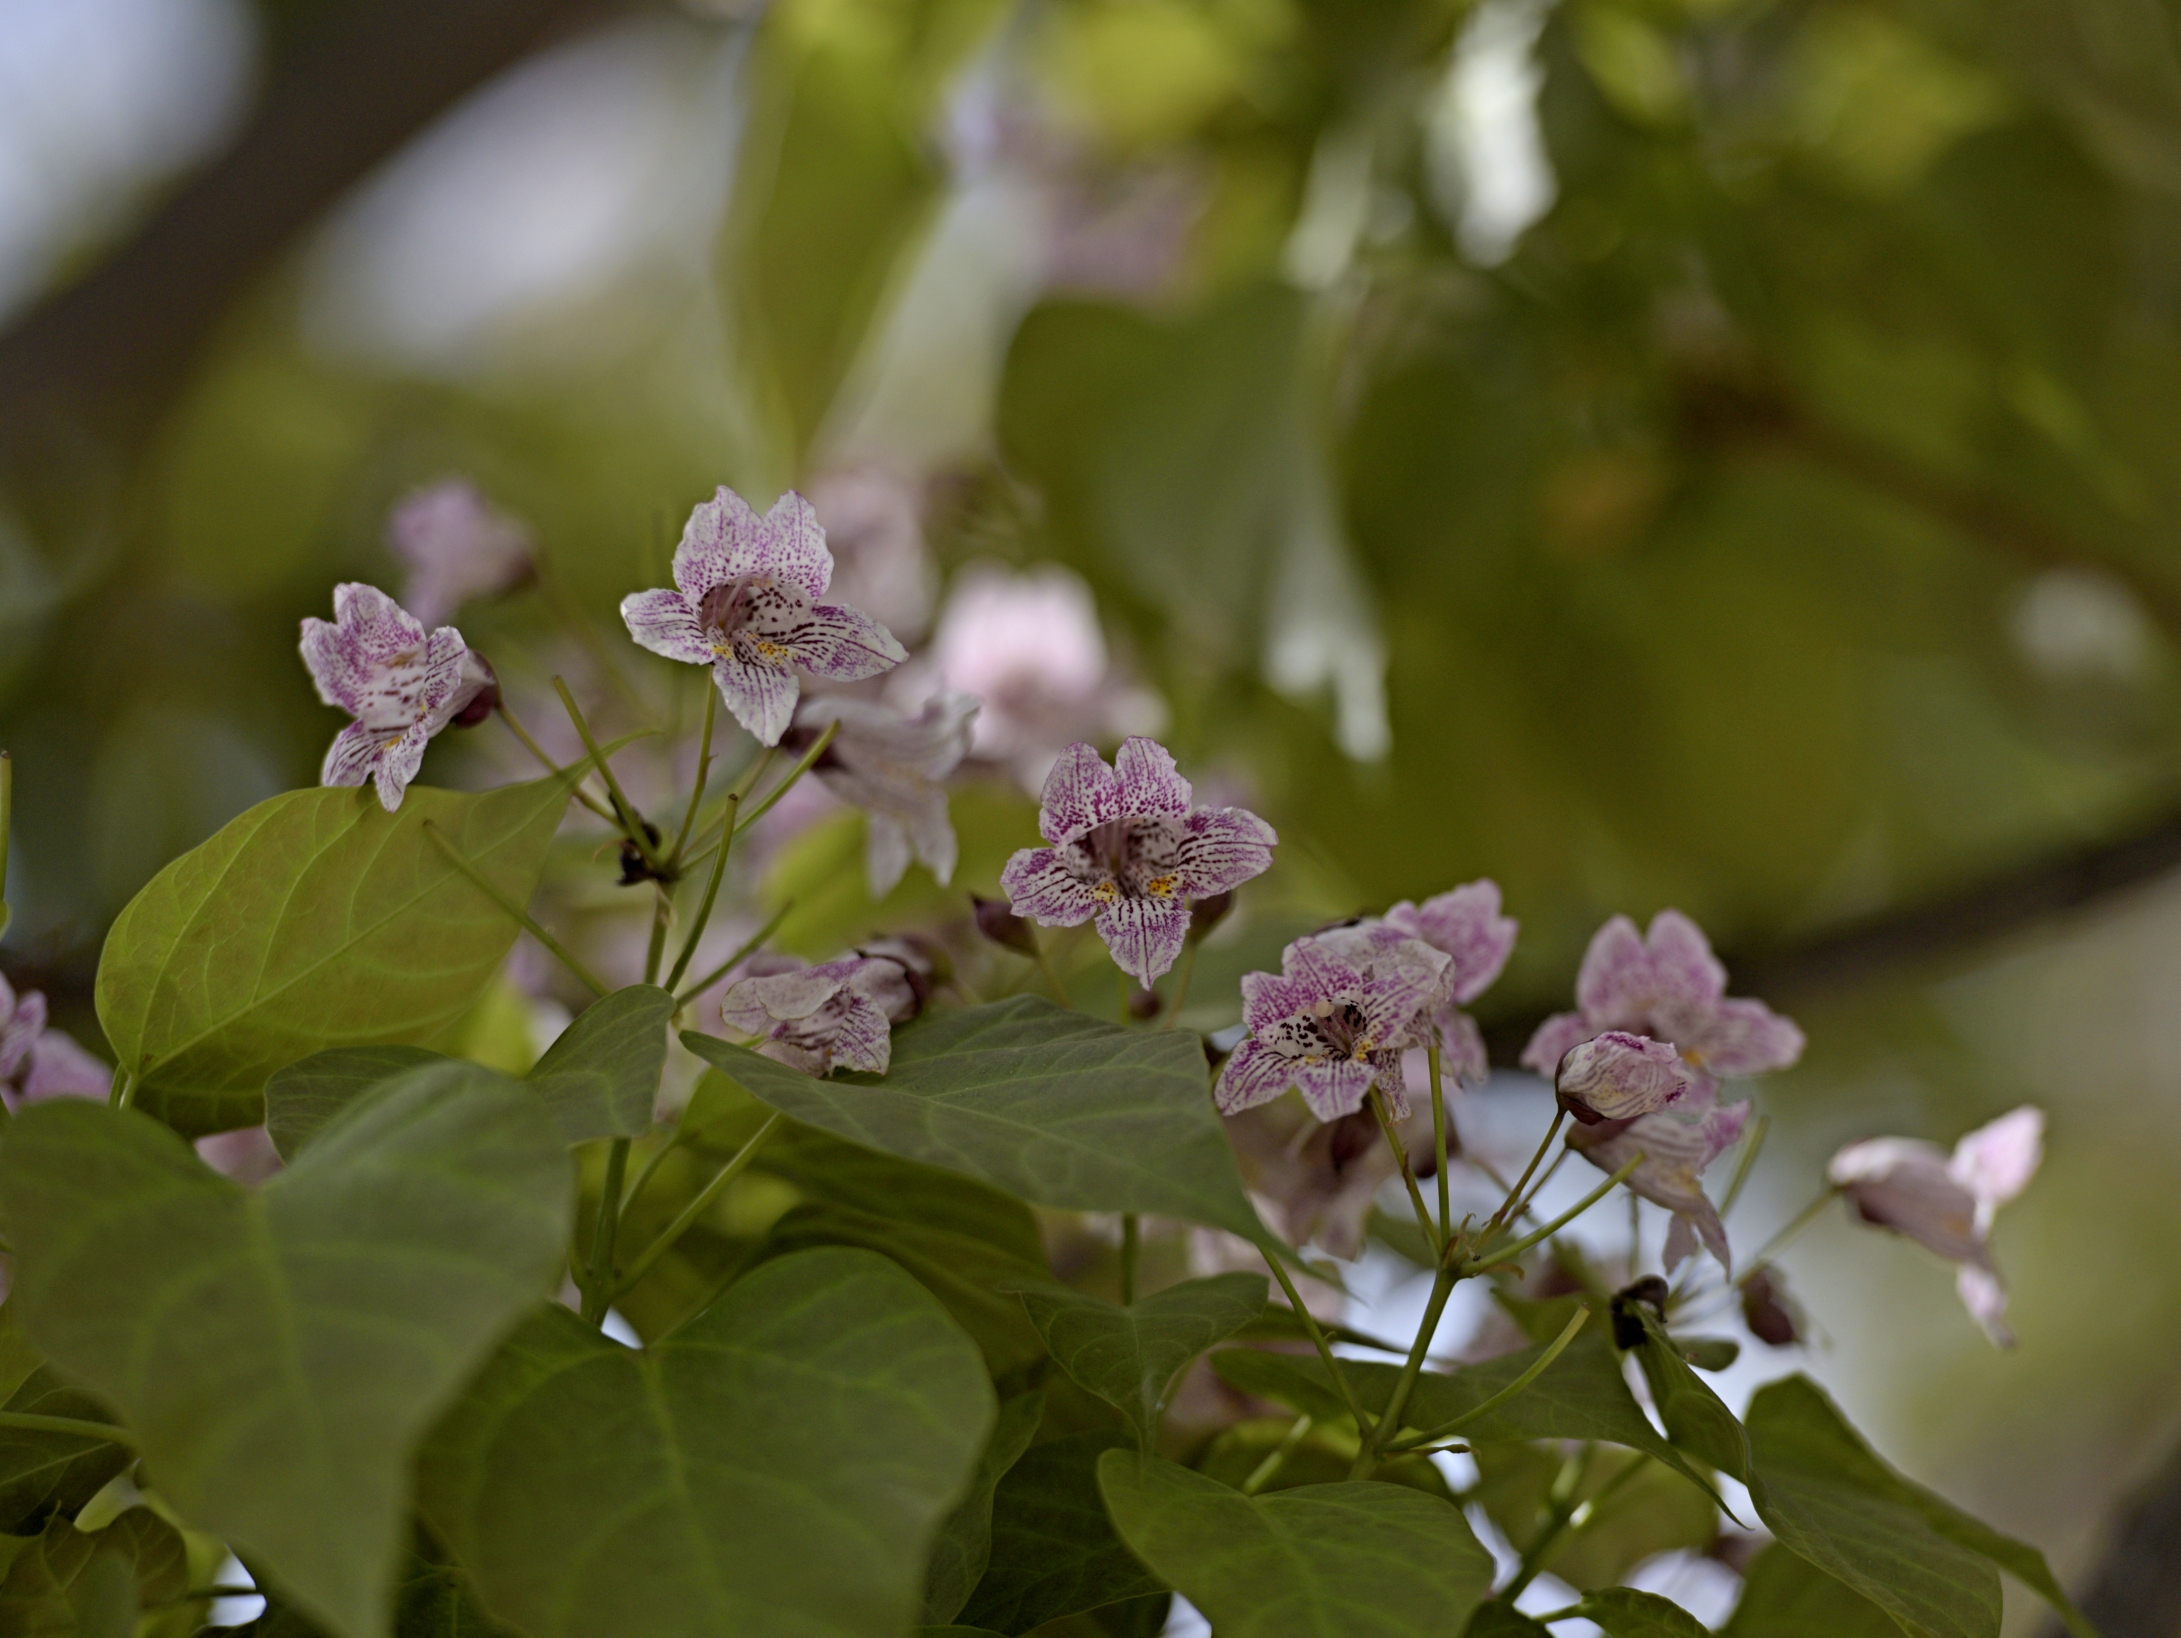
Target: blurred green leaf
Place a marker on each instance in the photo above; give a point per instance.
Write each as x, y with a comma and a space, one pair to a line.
43, 1475
316, 919
595, 1489
1696, 1418
1130, 1356
1786, 1596
1624, 1612
337, 1308
1497, 1620
964, 1548
1054, 1552
1324, 1561
1629, 1517
305, 1096
601, 1077
1048, 1104
67, 1583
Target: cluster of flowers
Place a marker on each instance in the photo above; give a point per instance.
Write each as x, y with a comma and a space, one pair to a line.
1638, 1066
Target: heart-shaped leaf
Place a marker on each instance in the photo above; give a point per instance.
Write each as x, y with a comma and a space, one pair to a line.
307, 1094
964, 1547
1348, 1560
602, 1076
1054, 1552
1130, 1356
279, 1352
1051, 1105
316, 919
1625, 1612
592, 1489
1496, 1620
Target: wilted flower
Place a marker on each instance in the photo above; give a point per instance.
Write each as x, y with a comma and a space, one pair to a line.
1619, 1076
891, 766
745, 602
1670, 987
1131, 848
1312, 1181
835, 1016
455, 547
1946, 1203
1028, 646
1676, 1150
375, 661
1330, 1028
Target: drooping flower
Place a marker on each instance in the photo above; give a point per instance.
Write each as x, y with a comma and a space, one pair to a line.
376, 662
1676, 1148
1131, 848
1773, 1317
1312, 1181
839, 1015
1670, 987
455, 547
1946, 1203
891, 766
1619, 1076
1465, 923
745, 602
1331, 1029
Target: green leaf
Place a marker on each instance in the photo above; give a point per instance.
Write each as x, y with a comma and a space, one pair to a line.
1787, 1596
329, 1317
964, 1548
1696, 1418
310, 1092
43, 1474
1819, 1489
601, 1077
316, 919
589, 1488
1708, 1353
1054, 1552
38, 1593
1048, 1104
1130, 1356
1623, 1612
103, 1603
1348, 1560
1630, 1516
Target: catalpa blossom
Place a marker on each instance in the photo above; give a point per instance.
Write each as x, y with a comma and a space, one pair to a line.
1946, 1203
1332, 1028
1618, 1076
839, 1015
1314, 1182
1670, 987
455, 547
1131, 848
745, 602
1466, 926
1676, 1149
376, 662
891, 766
38, 1061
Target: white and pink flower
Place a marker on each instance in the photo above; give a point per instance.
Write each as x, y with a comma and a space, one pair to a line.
838, 1015
456, 547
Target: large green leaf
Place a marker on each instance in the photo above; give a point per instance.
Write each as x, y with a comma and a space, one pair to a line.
316, 919
692, 1487
41, 1593
601, 1077
1048, 1104
1130, 1356
308, 1093
41, 1473
279, 1352
964, 1548
1786, 1596
1054, 1552
1819, 1489
1625, 1612
1349, 1560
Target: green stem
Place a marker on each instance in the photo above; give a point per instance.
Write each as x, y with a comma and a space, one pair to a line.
1131, 1248
704, 768
1364, 1424
1507, 1210
697, 1207
741, 793
810, 757
1262, 1473
521, 916
1438, 1137
538, 751
1045, 965
1408, 1176
1800, 1221
630, 821
1518, 1385
1509, 1252
683, 997
30, 1422
584, 630
123, 1091
655, 951
652, 1163
1181, 984
598, 1290
1389, 1423
1563, 1508
7, 818
1744, 1163
711, 893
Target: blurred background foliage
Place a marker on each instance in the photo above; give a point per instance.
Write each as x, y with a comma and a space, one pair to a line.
1717, 453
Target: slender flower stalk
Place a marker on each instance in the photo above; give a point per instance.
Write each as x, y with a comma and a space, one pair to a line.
749, 947
1438, 1137
633, 828
711, 893
1432, 1234
704, 772
1508, 1253
598, 1288
522, 917
699, 1206
516, 728
1520, 1384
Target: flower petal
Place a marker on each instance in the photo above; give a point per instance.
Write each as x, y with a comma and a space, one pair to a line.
1221, 848
1676, 1151
398, 764
1145, 936
1462, 1058
1391, 1080
760, 692
754, 1005
1986, 1299
1466, 923
1682, 966
1270, 999
1618, 1076
725, 541
842, 644
1335, 1087
665, 622
1310, 962
59, 1068
886, 854
1039, 886
25, 1024
1151, 785
1996, 1161
1556, 1037
1744, 1038
1253, 1074
1908, 1186
1080, 792
352, 755
1613, 986
793, 546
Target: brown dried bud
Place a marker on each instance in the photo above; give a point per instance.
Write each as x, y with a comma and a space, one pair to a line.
1205, 914
1771, 1315
1628, 1327
1144, 1005
1002, 926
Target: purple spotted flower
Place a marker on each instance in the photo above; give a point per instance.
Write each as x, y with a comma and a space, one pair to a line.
455, 547
836, 1016
745, 602
1946, 1203
1131, 848
401, 684
1676, 1148
1465, 925
891, 766
1333, 1028
1669, 986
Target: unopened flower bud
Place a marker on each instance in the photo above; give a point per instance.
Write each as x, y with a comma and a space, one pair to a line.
1771, 1315
1207, 913
1002, 926
1628, 1325
1144, 1005
1619, 1076
633, 867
